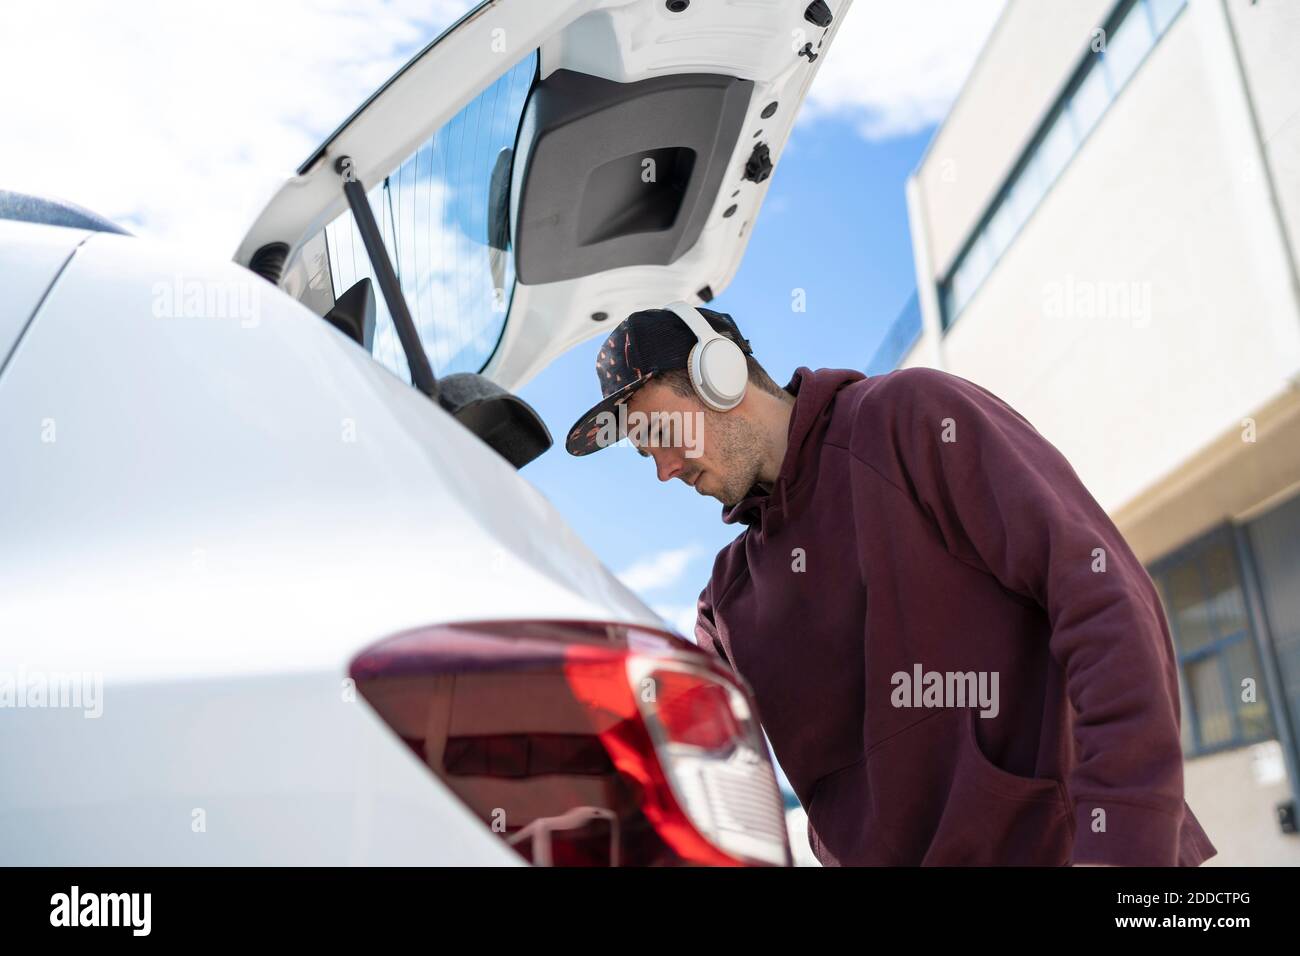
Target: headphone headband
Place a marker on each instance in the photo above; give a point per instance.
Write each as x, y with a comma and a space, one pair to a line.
695, 321
716, 365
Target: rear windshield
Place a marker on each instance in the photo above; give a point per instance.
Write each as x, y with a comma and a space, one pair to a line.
441, 215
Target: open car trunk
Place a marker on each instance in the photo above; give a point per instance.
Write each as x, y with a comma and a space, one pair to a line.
541, 170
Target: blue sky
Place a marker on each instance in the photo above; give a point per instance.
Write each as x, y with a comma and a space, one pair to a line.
835, 225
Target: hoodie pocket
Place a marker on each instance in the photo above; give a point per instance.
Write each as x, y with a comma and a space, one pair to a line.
940, 801
842, 829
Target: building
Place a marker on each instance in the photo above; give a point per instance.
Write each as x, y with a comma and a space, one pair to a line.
1105, 230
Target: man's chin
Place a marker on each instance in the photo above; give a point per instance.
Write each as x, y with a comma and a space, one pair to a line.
728, 497
720, 496
728, 500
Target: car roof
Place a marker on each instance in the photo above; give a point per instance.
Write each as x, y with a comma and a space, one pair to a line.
22, 207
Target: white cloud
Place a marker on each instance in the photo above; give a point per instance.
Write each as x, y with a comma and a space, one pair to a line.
895, 67
659, 570
179, 120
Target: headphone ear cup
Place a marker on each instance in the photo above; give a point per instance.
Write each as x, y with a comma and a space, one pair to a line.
696, 375
719, 372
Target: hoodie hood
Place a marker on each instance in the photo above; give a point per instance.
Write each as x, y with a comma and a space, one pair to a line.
814, 394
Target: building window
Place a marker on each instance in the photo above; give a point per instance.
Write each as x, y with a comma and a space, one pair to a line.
1126, 47
1201, 588
899, 339
1130, 34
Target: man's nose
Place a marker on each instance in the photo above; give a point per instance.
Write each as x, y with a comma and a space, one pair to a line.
667, 464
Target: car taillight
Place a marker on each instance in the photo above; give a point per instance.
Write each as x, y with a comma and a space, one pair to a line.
585, 743
692, 710
712, 750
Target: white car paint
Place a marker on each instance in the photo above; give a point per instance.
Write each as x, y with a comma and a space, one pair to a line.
184, 514
32, 260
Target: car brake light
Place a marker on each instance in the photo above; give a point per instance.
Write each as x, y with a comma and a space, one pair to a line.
692, 710
712, 750
584, 743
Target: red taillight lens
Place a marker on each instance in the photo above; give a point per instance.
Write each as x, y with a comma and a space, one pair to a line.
584, 744
693, 711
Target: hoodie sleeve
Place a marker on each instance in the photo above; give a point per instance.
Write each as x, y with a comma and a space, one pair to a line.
706, 629
1007, 502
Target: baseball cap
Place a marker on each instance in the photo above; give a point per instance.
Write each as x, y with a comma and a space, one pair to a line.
642, 345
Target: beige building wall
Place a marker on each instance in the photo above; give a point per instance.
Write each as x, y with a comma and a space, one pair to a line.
1030, 54
1233, 795
1267, 37
1147, 306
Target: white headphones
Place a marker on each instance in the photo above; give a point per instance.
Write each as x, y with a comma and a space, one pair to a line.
717, 365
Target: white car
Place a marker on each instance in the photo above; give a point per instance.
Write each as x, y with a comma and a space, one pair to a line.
272, 587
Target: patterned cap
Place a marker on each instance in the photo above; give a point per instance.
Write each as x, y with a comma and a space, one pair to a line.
643, 344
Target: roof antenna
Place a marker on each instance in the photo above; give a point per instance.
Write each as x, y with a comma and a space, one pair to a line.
422, 376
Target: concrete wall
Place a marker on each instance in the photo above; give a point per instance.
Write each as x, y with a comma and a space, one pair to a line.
1267, 35
1230, 480
1034, 48
1233, 795
1147, 307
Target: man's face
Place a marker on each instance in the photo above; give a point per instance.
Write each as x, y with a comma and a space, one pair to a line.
716, 453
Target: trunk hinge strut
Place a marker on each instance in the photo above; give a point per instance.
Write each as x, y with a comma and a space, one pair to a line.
417, 359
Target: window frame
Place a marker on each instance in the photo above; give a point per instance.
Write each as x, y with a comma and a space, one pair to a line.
1193, 553
381, 199
1030, 162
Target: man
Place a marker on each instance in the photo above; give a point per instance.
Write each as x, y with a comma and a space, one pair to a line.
956, 656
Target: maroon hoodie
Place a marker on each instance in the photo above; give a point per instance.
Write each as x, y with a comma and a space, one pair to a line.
957, 658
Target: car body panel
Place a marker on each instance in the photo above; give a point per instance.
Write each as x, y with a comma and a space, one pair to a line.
208, 517
360, 508
33, 259
269, 771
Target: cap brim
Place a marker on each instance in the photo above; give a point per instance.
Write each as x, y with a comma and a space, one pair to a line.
584, 436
